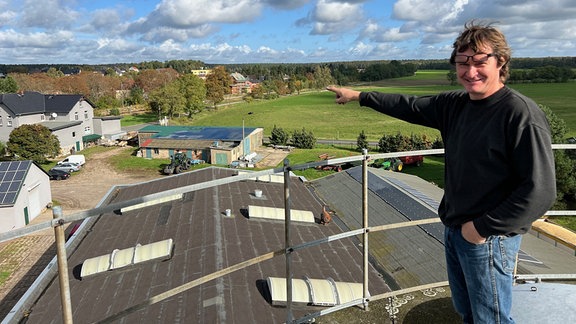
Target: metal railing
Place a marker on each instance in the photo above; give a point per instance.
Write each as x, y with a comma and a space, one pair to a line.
59, 220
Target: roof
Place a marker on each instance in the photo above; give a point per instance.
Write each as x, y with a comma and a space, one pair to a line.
58, 125
238, 77
91, 137
393, 198
31, 102
25, 103
62, 103
162, 143
12, 176
109, 117
205, 240
198, 132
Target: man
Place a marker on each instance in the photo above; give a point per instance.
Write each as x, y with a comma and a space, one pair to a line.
499, 169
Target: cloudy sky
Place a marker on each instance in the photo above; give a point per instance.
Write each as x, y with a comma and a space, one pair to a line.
270, 31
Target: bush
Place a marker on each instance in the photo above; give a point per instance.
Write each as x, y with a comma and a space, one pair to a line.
279, 136
361, 142
303, 139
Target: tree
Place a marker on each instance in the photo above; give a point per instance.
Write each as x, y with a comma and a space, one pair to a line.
303, 139
451, 76
279, 136
8, 85
194, 91
33, 142
153, 79
565, 164
168, 100
217, 85
362, 141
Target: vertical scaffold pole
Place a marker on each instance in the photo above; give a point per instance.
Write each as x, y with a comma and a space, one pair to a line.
365, 223
288, 243
62, 265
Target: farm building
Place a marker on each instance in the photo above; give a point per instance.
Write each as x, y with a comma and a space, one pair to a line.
108, 127
216, 145
24, 193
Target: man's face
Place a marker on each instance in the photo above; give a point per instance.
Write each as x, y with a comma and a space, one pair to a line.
480, 74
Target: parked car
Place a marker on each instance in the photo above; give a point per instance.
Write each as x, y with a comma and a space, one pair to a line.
78, 159
68, 167
58, 174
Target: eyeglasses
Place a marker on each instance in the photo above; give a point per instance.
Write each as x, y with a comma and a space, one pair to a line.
476, 58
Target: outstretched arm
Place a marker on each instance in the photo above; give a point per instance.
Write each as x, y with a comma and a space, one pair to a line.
344, 95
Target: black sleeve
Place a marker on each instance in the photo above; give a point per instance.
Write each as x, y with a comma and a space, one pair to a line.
424, 110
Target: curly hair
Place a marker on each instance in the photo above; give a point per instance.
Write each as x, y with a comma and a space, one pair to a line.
477, 36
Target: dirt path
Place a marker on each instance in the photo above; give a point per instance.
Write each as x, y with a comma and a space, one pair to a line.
86, 188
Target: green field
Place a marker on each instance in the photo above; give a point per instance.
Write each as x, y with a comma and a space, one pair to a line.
317, 111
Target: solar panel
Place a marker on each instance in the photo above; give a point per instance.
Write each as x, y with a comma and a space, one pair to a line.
404, 204
12, 175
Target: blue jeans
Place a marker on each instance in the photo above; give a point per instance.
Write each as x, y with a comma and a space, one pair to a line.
481, 276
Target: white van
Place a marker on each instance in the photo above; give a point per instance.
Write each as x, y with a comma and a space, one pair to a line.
76, 159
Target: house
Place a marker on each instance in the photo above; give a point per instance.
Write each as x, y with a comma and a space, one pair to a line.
216, 145
202, 73
70, 117
241, 84
24, 193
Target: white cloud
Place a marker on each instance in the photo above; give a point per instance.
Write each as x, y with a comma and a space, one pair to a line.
61, 31
334, 17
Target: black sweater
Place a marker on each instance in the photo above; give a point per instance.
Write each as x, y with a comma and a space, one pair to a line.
499, 165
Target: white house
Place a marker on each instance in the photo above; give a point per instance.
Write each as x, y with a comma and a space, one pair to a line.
70, 117
24, 193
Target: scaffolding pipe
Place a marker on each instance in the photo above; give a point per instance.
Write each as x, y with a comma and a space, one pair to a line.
288, 243
62, 265
365, 224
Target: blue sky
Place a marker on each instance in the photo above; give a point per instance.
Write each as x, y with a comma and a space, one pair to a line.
270, 31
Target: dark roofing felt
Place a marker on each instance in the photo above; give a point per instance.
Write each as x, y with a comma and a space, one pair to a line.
410, 256
205, 241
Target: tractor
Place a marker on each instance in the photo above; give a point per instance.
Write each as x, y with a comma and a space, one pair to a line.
178, 162
394, 164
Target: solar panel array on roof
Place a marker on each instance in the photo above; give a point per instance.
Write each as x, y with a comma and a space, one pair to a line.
12, 175
405, 204
209, 133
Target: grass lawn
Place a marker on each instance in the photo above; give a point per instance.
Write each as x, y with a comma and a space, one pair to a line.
317, 111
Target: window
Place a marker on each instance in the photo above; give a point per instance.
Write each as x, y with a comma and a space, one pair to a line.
42, 117
85, 114
9, 121
76, 116
1, 123
156, 151
73, 134
87, 130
